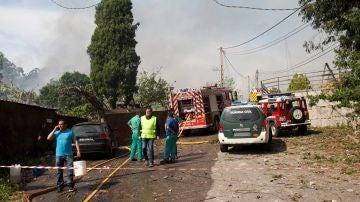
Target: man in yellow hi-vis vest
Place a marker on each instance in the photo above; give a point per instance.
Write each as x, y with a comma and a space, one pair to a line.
149, 129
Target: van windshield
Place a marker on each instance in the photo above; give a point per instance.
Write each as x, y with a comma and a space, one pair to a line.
240, 114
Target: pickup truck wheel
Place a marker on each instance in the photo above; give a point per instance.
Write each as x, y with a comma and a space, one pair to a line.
224, 148
274, 130
270, 138
302, 130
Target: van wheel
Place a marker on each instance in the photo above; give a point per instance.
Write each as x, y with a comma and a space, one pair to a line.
274, 130
302, 129
224, 148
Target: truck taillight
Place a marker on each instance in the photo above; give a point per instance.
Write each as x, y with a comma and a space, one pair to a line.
263, 125
221, 128
104, 136
282, 118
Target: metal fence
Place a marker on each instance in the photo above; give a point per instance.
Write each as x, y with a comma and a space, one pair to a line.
318, 80
24, 128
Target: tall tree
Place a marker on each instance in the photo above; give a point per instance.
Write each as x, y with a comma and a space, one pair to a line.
299, 82
340, 20
114, 62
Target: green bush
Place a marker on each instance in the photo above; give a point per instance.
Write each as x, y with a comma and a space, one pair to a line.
5, 188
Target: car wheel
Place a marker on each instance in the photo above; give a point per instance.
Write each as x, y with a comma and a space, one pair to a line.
274, 130
302, 129
224, 148
109, 151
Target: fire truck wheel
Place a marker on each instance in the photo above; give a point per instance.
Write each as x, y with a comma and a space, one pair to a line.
224, 148
302, 129
274, 130
297, 114
216, 124
187, 132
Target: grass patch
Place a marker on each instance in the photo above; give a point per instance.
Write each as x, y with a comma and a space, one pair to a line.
334, 159
276, 177
317, 156
5, 189
12, 192
303, 181
348, 171
213, 141
329, 147
8, 191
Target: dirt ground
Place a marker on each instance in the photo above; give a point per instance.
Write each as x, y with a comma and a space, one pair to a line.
323, 165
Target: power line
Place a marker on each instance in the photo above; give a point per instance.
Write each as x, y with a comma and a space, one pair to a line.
253, 8
74, 8
233, 67
306, 61
264, 31
272, 43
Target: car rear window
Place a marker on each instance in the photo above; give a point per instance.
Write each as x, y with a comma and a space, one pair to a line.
85, 129
240, 114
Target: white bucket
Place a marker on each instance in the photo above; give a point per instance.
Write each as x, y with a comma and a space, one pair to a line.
15, 174
80, 168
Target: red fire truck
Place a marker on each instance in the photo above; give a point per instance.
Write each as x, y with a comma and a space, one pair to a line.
200, 108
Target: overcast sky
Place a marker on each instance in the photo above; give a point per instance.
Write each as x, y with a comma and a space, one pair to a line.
182, 37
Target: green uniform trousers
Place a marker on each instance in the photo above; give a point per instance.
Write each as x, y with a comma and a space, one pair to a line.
136, 145
170, 147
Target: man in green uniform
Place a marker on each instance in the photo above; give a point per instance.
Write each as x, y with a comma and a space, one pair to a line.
136, 144
171, 130
149, 129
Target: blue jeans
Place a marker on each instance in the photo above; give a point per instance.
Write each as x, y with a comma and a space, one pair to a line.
66, 161
148, 146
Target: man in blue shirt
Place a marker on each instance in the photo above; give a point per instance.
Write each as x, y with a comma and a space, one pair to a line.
171, 129
64, 155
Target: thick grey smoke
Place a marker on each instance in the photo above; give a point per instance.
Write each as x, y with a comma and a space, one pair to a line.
182, 37
65, 49
62, 49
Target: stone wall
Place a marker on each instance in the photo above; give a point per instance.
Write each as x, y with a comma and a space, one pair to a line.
324, 114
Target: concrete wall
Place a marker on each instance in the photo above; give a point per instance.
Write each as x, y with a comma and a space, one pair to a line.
324, 114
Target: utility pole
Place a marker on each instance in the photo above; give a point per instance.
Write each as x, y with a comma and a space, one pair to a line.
248, 85
221, 67
257, 79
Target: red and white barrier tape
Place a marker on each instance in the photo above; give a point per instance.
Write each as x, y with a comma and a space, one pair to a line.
171, 169
39, 167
